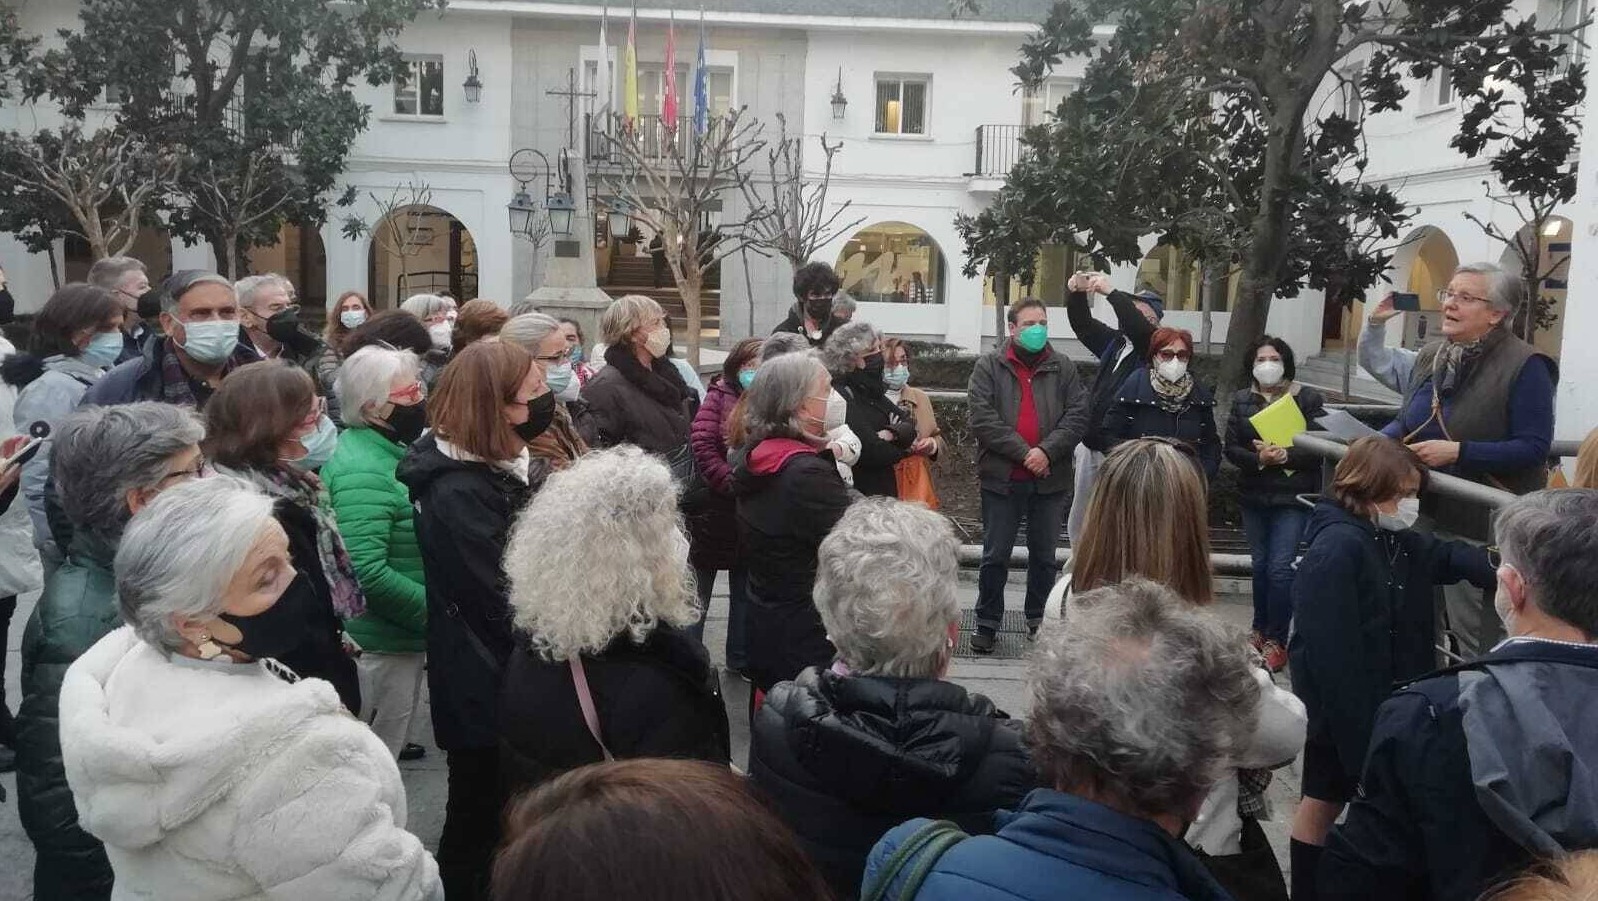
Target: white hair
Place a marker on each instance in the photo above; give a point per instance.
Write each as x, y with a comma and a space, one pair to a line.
529, 330
782, 343
424, 305
1503, 287
99, 454
247, 287
109, 272
885, 587
773, 402
366, 378
598, 553
215, 521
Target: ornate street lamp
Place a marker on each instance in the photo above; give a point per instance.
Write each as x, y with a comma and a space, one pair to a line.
840, 103
473, 84
561, 210
523, 213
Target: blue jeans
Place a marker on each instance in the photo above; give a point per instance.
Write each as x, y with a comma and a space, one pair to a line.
737, 611
1001, 521
1274, 534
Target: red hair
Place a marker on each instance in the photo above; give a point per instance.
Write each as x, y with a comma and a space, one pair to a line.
1164, 335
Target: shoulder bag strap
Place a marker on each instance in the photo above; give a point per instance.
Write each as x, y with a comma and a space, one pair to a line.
585, 700
914, 860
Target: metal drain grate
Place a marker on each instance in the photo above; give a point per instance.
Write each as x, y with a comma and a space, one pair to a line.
1012, 641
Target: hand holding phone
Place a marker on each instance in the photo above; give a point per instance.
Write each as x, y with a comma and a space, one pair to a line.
17, 450
1406, 303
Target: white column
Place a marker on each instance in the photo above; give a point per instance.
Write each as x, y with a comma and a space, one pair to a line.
346, 262
28, 274
1577, 410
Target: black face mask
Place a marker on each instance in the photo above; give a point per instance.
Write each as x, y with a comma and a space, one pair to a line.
278, 629
540, 413
149, 305
819, 311
284, 327
871, 375
407, 422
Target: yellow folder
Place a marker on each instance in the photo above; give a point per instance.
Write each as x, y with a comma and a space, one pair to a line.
1279, 422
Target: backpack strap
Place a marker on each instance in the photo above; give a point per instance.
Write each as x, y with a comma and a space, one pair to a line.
585, 700
914, 860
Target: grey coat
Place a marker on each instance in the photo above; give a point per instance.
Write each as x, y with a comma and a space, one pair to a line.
48, 399
1062, 404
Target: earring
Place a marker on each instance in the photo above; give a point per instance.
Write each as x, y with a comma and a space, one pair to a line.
209, 650
951, 643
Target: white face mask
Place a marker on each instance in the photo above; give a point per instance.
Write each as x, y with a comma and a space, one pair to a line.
659, 342
837, 411
1269, 373
1172, 370
442, 334
1405, 518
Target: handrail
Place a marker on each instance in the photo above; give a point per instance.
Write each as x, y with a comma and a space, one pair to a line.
1440, 482
1220, 564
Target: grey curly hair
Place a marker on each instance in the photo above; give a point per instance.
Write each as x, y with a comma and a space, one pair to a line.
782, 343
598, 553
772, 403
847, 344
99, 454
1143, 700
885, 587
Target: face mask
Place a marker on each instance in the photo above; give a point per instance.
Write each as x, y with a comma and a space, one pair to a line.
103, 349
441, 333
1172, 370
837, 411
540, 413
818, 311
558, 377
352, 318
407, 422
1502, 604
210, 342
572, 391
1033, 338
659, 342
577, 353
897, 377
1408, 513
318, 445
149, 304
275, 631
1268, 373
284, 327
746, 377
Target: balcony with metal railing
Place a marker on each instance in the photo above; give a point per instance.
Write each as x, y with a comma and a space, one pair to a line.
998, 150
657, 137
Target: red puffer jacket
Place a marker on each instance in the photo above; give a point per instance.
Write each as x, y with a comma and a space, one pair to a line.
709, 435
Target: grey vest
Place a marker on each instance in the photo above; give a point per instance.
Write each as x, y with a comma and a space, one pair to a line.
1479, 411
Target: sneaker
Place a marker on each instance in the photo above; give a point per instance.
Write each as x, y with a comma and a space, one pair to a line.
983, 641
412, 752
1256, 640
1275, 656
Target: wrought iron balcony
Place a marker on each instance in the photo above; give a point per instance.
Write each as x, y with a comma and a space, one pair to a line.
998, 149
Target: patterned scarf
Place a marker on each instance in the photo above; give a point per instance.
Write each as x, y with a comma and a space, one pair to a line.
176, 386
1454, 359
305, 490
1170, 396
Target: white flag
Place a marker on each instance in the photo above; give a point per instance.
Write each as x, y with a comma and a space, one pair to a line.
602, 76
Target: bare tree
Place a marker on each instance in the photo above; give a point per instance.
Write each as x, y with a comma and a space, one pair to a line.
108, 182
401, 227
1532, 214
797, 223
672, 184
236, 198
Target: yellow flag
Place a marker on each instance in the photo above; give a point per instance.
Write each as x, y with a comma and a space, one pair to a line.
629, 64
1280, 422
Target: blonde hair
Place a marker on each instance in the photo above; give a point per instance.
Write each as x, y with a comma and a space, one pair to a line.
624, 315
1587, 462
1570, 878
598, 553
1149, 517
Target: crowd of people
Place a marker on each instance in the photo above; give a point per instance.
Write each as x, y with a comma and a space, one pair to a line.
260, 547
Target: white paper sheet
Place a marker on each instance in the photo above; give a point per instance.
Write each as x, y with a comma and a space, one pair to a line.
1340, 424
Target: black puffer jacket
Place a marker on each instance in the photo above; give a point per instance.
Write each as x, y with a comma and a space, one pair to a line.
1272, 486
659, 698
846, 758
464, 513
869, 411
652, 408
789, 497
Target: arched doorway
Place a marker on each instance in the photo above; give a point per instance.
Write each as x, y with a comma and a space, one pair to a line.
892, 262
1430, 259
1553, 281
152, 247
1178, 278
420, 250
299, 256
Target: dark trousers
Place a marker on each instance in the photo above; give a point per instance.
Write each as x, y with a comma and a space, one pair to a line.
8, 727
1274, 534
737, 612
471, 823
1002, 515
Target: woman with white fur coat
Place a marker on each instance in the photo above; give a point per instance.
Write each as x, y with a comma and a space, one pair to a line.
208, 769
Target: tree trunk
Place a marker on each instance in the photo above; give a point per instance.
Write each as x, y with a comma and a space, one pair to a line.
1349, 340
1207, 291
689, 287
55, 269
1001, 304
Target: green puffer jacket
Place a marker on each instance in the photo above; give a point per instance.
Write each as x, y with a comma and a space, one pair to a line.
78, 608
379, 528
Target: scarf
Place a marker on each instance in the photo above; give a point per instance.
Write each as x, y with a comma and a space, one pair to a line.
304, 489
1454, 359
662, 383
559, 444
1170, 396
177, 387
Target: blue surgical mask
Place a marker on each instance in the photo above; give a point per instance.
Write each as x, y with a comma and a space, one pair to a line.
746, 377
352, 318
577, 353
558, 377
210, 342
896, 378
319, 445
103, 349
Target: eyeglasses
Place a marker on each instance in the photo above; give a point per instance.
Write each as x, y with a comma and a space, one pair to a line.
276, 309
1444, 296
194, 472
1169, 355
318, 409
557, 359
413, 393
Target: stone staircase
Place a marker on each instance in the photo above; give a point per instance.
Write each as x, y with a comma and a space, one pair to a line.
636, 275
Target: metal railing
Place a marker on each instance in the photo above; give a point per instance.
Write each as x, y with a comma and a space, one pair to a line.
657, 137
998, 150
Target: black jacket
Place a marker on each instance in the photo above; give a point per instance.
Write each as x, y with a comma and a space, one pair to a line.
652, 408
795, 323
1136, 414
846, 758
322, 655
1106, 344
1473, 773
656, 699
869, 412
789, 497
1363, 620
1272, 486
464, 513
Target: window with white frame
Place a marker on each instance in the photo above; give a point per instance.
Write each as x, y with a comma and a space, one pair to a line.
419, 89
902, 104
1568, 14
1442, 85
1038, 104
1353, 105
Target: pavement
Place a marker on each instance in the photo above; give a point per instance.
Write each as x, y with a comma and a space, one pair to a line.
425, 779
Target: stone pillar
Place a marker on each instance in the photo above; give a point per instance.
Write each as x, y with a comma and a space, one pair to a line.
569, 289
